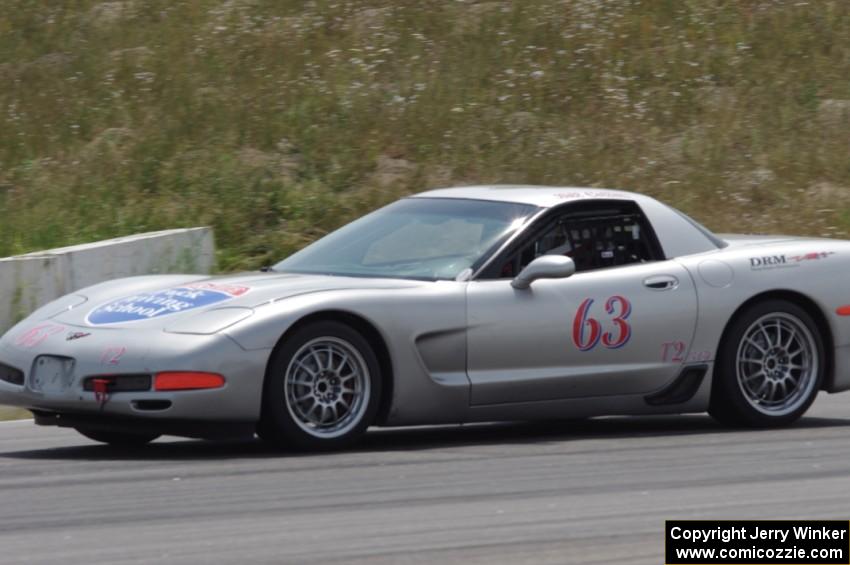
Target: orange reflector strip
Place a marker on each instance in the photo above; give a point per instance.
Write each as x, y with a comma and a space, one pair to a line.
843, 310
187, 380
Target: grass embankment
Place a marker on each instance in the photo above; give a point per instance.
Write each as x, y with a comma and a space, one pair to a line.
7, 413
275, 121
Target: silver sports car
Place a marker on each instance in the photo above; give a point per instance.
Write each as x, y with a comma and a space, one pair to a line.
459, 305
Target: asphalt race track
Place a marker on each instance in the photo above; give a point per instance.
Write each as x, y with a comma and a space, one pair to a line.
591, 492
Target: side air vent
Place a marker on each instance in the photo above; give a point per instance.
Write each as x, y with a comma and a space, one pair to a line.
11, 375
680, 390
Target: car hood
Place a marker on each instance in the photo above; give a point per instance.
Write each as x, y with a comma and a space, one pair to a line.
161, 301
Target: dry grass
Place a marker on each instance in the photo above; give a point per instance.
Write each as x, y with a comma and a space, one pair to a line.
7, 413
277, 120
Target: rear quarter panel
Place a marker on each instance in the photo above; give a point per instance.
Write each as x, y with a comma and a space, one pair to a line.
817, 269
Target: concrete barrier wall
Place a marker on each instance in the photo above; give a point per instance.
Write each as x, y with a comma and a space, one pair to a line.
30, 281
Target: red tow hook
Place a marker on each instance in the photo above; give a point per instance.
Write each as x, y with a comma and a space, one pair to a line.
101, 390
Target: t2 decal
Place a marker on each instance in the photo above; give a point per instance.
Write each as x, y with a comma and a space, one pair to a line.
112, 355
587, 331
674, 352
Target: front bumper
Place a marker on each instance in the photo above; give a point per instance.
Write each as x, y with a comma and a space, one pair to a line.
148, 352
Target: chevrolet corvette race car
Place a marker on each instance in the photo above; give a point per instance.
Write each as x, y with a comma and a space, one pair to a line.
456, 305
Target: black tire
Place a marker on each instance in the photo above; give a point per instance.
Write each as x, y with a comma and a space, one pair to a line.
286, 423
754, 371
119, 439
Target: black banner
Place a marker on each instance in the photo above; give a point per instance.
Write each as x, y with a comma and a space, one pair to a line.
757, 542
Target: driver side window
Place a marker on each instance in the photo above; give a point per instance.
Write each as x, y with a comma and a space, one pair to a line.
595, 235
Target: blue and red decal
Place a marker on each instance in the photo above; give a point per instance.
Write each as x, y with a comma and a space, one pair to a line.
620, 308
587, 330
150, 305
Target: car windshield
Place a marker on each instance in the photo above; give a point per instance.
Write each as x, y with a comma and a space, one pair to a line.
415, 238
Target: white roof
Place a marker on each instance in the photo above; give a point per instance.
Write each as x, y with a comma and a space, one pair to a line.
543, 196
677, 234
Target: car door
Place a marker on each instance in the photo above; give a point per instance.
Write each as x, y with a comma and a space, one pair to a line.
621, 325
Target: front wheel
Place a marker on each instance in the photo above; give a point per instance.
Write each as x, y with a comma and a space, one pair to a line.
322, 388
770, 366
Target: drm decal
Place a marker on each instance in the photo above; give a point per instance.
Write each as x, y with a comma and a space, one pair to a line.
771, 262
587, 331
811, 256
149, 305
786, 262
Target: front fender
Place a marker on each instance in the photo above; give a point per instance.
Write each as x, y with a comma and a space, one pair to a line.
424, 330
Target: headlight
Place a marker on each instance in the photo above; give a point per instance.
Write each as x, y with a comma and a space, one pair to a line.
210, 322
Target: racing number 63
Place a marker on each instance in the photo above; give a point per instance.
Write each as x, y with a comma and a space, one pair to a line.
587, 331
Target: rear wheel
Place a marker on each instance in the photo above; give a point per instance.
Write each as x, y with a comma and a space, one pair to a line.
119, 439
322, 388
770, 366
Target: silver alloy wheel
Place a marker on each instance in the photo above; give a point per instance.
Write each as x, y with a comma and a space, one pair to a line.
777, 364
327, 387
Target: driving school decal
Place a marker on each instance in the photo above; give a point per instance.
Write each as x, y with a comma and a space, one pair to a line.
150, 305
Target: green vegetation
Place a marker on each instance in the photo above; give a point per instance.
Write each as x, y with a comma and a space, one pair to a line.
277, 120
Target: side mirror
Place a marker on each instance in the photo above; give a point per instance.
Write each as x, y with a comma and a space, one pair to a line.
545, 267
